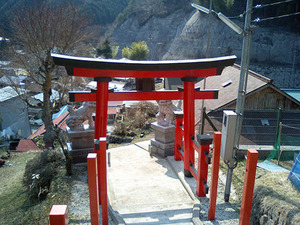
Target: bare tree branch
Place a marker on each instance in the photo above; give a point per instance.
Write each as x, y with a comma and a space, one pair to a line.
39, 30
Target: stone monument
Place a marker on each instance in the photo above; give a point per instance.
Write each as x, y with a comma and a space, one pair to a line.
164, 130
82, 139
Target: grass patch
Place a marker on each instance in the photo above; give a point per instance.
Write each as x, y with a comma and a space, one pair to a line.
275, 201
15, 205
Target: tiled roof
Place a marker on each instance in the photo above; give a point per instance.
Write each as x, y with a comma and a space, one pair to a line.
111, 111
228, 84
27, 145
8, 92
59, 121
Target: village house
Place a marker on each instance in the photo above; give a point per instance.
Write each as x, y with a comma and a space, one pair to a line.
13, 113
265, 106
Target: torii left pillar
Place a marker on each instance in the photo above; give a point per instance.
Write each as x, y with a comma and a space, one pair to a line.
100, 135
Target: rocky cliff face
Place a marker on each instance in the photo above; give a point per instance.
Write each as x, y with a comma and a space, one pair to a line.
159, 33
184, 33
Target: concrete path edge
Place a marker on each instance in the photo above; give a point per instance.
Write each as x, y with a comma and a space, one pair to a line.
196, 208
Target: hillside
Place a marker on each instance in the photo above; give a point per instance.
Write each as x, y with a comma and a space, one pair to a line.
102, 12
182, 33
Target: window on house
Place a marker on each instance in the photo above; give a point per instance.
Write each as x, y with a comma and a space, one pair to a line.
265, 122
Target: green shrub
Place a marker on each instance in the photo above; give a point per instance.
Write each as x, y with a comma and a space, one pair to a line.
39, 173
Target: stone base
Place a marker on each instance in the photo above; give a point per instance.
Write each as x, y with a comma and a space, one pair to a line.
161, 149
163, 143
79, 155
163, 134
81, 139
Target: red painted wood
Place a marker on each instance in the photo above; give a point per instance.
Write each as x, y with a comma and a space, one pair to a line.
101, 120
196, 147
93, 188
102, 99
58, 215
247, 198
84, 72
178, 139
202, 171
189, 121
142, 96
103, 180
214, 176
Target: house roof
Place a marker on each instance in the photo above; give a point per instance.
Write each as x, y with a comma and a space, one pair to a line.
59, 121
8, 92
228, 84
26, 145
54, 96
295, 93
12, 80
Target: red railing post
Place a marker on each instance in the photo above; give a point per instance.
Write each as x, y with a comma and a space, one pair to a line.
178, 136
93, 187
214, 175
203, 161
103, 180
188, 122
247, 198
58, 215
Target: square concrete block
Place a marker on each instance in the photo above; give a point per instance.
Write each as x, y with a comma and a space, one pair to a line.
162, 149
163, 134
82, 139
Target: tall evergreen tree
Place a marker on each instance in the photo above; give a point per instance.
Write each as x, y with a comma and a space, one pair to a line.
139, 51
105, 50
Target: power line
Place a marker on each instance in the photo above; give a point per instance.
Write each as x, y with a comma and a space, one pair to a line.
257, 20
260, 7
272, 4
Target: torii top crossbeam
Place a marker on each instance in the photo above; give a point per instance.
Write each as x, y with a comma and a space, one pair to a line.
96, 68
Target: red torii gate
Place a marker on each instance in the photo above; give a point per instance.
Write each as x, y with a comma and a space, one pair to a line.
103, 70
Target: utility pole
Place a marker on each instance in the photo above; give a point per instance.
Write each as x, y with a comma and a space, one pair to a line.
245, 60
201, 130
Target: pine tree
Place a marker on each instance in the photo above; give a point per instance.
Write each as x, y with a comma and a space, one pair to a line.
105, 50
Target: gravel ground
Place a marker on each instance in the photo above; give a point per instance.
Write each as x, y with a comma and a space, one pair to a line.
226, 213
79, 210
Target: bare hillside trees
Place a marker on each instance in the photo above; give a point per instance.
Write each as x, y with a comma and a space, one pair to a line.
38, 30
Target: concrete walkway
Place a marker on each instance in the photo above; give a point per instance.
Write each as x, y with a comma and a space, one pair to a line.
144, 189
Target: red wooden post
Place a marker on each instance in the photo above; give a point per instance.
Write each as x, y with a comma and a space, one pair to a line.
93, 187
188, 123
248, 189
103, 180
101, 117
178, 136
203, 161
101, 107
214, 176
58, 215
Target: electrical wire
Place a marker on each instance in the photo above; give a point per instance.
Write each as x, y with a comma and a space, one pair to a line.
257, 20
241, 16
296, 128
272, 4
